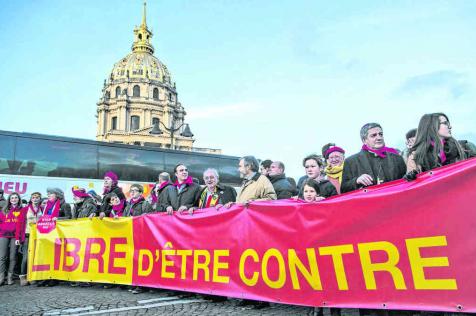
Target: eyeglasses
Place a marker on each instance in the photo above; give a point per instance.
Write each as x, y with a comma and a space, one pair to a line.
133, 190
447, 123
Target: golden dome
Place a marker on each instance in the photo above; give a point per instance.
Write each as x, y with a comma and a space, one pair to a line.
141, 63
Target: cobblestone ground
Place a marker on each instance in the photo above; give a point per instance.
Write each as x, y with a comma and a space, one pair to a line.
66, 300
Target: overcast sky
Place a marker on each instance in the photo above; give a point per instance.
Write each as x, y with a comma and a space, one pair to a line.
277, 79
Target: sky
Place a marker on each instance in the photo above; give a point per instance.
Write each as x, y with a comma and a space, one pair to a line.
274, 79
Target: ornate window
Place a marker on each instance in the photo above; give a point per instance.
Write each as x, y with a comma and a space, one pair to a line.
155, 120
136, 91
114, 123
118, 91
156, 94
171, 97
135, 122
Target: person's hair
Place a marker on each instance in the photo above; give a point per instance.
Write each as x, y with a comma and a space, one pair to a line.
315, 157
9, 204
178, 165
34, 193
411, 133
251, 162
215, 172
266, 163
326, 147
138, 186
427, 144
165, 176
280, 165
365, 129
313, 184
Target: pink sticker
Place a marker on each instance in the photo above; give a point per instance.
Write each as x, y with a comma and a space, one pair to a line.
45, 224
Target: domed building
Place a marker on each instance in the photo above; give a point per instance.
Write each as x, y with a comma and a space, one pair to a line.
139, 103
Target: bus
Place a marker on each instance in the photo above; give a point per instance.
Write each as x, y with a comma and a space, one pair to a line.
32, 162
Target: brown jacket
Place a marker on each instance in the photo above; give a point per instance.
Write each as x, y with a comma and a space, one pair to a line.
258, 188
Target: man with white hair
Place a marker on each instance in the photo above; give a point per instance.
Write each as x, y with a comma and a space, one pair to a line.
214, 194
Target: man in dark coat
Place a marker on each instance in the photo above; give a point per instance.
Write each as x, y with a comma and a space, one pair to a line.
183, 194
374, 164
282, 186
314, 170
158, 192
214, 194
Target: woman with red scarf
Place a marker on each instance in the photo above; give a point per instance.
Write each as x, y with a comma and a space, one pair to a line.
9, 218
30, 215
434, 145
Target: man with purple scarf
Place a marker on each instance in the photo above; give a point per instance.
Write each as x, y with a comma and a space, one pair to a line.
374, 164
183, 194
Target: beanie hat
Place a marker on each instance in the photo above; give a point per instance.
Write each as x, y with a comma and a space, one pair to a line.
59, 193
112, 175
333, 149
79, 192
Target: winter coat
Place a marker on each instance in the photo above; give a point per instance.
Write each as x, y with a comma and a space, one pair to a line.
188, 197
136, 209
258, 188
65, 210
27, 217
105, 207
225, 194
156, 206
3, 203
282, 186
390, 168
85, 208
326, 188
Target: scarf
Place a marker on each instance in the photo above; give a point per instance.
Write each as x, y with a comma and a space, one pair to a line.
382, 152
155, 197
52, 208
187, 181
441, 154
335, 172
133, 202
35, 212
117, 209
212, 199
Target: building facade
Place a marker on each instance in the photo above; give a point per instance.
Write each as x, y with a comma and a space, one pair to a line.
139, 103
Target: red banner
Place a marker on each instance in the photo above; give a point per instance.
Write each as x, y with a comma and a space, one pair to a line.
400, 245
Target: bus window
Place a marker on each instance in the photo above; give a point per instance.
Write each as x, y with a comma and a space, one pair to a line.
38, 157
7, 147
131, 164
228, 169
195, 163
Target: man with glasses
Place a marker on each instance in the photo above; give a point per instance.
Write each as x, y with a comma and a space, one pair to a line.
183, 194
374, 164
214, 194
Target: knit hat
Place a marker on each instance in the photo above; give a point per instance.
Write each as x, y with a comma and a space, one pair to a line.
138, 186
333, 149
111, 175
59, 193
79, 192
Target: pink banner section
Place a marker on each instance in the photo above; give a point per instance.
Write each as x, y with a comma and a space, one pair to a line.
400, 245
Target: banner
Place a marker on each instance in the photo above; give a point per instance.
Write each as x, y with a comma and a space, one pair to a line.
399, 245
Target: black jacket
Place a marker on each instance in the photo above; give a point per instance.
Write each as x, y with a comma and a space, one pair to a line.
187, 197
157, 207
65, 210
283, 187
85, 208
326, 188
105, 207
142, 207
386, 169
225, 192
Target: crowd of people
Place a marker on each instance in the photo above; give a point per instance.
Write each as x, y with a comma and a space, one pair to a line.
330, 173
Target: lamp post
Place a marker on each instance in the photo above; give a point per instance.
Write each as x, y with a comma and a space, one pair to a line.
157, 131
